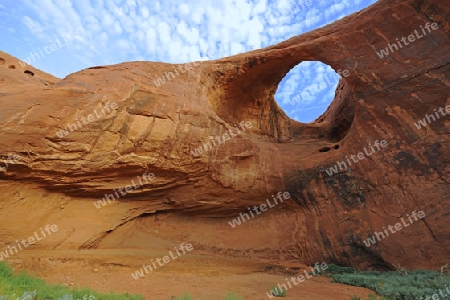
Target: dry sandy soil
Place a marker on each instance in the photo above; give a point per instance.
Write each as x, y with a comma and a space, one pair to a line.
203, 276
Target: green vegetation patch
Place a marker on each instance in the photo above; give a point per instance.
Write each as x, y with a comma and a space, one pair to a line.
26, 287
393, 285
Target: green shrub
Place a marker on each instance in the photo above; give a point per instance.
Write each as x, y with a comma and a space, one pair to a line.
391, 285
333, 269
277, 292
24, 284
185, 296
229, 296
372, 297
232, 296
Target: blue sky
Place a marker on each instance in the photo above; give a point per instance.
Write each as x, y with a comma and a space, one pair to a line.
87, 33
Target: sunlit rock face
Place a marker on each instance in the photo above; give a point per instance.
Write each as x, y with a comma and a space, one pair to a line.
196, 145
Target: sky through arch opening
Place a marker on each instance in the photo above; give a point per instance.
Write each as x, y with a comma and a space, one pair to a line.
307, 90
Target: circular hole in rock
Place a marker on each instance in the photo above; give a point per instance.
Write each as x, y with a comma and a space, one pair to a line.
307, 90
324, 149
12, 66
336, 146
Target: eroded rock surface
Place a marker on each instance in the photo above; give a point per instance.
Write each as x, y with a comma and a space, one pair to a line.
155, 127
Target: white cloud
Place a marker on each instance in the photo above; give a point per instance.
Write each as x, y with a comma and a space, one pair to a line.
116, 28
123, 44
151, 39
236, 48
313, 16
164, 34
145, 12
197, 16
184, 9
34, 26
107, 20
334, 9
